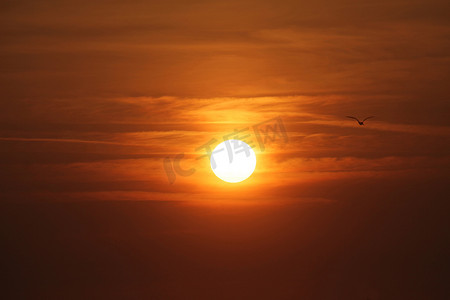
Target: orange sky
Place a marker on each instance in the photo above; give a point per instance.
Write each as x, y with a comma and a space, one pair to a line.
95, 94
145, 81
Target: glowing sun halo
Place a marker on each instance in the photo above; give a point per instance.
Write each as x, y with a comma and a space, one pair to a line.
233, 161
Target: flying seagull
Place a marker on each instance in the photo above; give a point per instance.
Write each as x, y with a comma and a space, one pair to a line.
359, 122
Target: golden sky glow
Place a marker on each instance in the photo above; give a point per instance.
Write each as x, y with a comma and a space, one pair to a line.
96, 95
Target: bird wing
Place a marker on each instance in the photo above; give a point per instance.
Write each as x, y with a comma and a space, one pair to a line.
368, 118
352, 118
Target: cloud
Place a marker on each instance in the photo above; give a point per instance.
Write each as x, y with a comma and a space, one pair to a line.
114, 88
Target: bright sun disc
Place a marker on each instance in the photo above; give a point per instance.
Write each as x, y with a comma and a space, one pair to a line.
233, 161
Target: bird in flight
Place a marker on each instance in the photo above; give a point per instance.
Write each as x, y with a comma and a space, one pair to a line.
360, 122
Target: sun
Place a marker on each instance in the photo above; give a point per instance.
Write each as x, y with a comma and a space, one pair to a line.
233, 161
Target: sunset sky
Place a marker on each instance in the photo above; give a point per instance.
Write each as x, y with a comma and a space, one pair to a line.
95, 94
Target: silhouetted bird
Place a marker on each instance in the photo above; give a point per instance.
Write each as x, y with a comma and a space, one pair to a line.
359, 122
